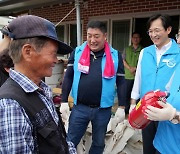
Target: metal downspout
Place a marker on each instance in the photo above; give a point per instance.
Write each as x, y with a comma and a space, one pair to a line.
78, 21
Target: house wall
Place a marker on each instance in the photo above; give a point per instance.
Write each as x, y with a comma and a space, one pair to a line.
110, 8
106, 10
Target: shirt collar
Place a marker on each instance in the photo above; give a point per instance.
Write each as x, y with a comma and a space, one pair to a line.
164, 48
133, 49
27, 84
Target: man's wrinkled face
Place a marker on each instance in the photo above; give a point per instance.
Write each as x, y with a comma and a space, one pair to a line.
95, 39
158, 34
43, 61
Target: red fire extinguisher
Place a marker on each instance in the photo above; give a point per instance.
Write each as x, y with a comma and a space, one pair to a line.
136, 117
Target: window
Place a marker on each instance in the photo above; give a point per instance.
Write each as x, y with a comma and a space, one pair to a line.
60, 32
73, 35
120, 34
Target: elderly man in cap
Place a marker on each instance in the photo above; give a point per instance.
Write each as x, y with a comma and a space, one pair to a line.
28, 119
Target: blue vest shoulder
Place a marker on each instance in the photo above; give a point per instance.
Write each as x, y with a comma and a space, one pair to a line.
155, 76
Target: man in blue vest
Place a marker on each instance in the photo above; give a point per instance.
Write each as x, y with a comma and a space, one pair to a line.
94, 71
156, 65
168, 116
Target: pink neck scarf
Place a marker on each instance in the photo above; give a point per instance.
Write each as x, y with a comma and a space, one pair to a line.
84, 62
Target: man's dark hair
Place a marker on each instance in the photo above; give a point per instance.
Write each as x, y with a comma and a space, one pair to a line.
136, 33
97, 24
166, 20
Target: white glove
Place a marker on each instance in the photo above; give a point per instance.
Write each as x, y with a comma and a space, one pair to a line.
64, 109
118, 117
132, 106
156, 114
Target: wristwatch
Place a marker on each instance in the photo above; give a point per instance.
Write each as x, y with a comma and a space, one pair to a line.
176, 118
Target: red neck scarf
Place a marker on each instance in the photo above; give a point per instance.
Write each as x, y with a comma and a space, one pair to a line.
84, 62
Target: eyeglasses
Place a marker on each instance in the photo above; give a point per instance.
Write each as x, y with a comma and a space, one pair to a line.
177, 36
155, 31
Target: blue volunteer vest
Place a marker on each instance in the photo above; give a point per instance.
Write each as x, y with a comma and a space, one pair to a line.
167, 139
108, 85
156, 77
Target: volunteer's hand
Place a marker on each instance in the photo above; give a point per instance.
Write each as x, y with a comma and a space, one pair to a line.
166, 113
132, 106
118, 117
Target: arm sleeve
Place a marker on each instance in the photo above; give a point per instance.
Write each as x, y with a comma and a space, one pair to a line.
68, 79
124, 54
135, 94
120, 82
16, 132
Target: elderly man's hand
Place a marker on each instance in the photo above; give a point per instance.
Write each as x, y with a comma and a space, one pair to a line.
167, 112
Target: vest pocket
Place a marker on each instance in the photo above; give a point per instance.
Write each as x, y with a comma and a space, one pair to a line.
47, 130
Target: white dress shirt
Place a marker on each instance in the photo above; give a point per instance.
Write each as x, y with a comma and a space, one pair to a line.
135, 94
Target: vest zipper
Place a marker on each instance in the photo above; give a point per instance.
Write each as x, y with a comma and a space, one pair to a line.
156, 70
178, 89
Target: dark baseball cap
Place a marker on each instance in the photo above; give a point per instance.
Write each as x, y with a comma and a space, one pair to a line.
29, 26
